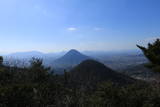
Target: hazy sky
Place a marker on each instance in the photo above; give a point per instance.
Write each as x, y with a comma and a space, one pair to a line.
56, 25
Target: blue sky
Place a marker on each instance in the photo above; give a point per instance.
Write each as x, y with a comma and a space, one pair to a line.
57, 25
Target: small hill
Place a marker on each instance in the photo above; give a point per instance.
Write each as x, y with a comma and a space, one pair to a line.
91, 71
70, 59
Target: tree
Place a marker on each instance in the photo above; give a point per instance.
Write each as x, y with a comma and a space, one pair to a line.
152, 52
38, 71
66, 77
37, 65
1, 60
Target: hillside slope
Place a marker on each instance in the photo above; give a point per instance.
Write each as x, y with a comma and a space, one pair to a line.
91, 71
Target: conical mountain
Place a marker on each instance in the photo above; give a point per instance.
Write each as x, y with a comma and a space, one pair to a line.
91, 71
70, 59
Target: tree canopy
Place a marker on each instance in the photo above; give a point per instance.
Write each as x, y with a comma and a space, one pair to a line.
1, 60
152, 53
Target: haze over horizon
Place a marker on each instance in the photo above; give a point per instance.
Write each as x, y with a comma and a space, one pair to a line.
61, 25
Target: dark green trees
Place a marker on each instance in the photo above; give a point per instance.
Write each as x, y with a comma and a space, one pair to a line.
37, 65
152, 52
1, 60
38, 72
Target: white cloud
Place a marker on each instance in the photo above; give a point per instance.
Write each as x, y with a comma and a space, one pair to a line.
98, 29
72, 29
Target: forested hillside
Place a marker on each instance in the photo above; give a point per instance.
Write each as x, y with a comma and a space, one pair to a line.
37, 86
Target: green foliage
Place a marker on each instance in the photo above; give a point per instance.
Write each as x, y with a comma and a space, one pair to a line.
16, 95
136, 95
1, 60
37, 71
36, 87
37, 65
152, 52
66, 77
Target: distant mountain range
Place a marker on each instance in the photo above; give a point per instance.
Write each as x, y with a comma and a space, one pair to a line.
37, 54
26, 54
22, 58
119, 60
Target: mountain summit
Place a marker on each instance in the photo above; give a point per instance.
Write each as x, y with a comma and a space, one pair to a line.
70, 59
72, 53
